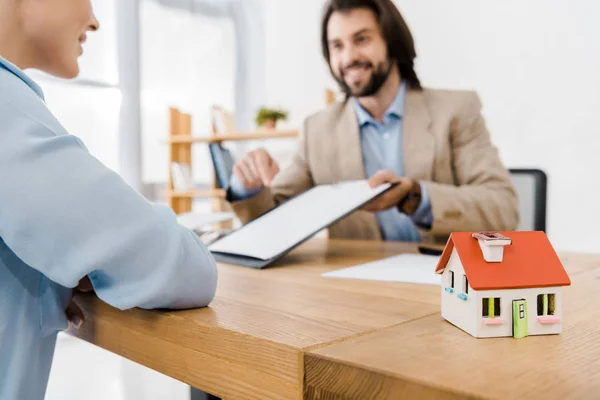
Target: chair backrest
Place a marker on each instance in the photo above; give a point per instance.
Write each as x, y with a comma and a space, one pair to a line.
223, 162
531, 186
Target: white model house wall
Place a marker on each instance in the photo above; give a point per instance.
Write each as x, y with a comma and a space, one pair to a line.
457, 311
506, 298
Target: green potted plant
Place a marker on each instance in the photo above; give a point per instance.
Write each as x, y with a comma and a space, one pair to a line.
268, 118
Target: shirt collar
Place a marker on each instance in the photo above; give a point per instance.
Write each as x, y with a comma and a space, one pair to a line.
7, 65
396, 108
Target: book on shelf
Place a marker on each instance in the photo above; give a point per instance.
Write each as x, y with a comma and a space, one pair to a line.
182, 177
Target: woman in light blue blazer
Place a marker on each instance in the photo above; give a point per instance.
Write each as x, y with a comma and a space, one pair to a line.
65, 217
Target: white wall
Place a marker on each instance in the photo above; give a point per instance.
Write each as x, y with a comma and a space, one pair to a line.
533, 63
296, 74
188, 62
95, 120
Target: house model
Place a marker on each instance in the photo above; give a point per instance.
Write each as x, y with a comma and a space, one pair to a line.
502, 284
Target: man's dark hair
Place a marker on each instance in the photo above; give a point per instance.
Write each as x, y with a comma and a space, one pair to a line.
399, 40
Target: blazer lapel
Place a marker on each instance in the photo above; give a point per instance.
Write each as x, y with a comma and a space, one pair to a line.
418, 141
347, 142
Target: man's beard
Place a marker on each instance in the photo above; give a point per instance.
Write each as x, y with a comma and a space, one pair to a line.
378, 78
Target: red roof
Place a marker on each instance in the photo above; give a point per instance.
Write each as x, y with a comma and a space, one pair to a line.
530, 261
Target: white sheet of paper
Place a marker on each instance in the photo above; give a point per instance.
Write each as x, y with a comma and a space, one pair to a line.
296, 219
409, 268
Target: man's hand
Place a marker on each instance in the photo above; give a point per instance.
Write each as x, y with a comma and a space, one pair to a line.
393, 196
257, 169
74, 313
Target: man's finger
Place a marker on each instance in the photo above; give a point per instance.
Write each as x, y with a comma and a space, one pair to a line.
265, 166
243, 173
249, 168
381, 177
253, 169
382, 202
372, 206
75, 315
369, 207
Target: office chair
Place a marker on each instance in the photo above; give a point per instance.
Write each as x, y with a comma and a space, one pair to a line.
531, 186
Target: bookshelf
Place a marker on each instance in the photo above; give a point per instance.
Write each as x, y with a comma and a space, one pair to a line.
180, 151
235, 136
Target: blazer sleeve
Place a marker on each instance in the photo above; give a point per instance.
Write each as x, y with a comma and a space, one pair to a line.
291, 181
484, 197
67, 215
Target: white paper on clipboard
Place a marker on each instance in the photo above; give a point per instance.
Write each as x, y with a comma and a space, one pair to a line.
297, 219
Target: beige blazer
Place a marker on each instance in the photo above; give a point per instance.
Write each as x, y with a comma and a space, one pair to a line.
446, 144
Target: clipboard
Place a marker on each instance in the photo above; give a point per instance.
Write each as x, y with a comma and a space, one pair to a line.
269, 237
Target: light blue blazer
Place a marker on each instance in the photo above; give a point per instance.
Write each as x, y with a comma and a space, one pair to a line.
64, 215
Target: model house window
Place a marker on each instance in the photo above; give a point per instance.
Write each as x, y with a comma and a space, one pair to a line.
466, 284
451, 279
545, 304
491, 307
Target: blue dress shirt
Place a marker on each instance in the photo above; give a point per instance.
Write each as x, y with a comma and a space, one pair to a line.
381, 147
64, 215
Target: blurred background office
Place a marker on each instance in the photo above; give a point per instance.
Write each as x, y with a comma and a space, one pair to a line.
534, 65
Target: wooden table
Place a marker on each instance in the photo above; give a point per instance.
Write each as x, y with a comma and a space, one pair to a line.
429, 358
288, 333
250, 343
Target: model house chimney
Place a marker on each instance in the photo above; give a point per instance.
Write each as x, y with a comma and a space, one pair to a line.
492, 245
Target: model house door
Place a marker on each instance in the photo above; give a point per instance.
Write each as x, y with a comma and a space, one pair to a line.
520, 318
